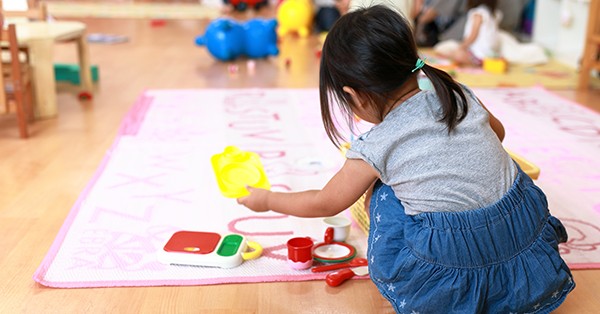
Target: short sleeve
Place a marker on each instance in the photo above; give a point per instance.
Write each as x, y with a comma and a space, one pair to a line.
363, 148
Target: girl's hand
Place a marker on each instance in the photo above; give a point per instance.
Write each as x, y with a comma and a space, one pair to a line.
257, 200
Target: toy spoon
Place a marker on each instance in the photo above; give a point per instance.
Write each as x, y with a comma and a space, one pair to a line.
338, 277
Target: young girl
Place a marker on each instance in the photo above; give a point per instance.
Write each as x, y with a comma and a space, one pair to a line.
456, 226
481, 37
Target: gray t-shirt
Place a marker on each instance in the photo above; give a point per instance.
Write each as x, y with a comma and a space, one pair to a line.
431, 170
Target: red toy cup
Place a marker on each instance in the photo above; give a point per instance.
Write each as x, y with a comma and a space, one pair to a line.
329, 235
300, 253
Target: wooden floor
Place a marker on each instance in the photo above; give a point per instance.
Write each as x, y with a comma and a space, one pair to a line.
40, 179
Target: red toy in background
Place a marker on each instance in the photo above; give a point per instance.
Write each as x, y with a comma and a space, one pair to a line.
242, 5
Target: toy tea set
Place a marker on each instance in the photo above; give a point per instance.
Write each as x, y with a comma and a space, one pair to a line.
333, 249
333, 252
235, 170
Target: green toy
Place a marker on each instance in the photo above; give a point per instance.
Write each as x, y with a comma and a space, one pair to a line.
64, 72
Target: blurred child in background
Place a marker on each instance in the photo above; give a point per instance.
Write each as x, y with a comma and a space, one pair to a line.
481, 36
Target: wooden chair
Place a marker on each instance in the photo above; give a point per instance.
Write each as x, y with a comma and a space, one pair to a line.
38, 11
591, 53
35, 11
15, 81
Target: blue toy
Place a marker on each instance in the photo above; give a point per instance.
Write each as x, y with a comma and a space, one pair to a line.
227, 39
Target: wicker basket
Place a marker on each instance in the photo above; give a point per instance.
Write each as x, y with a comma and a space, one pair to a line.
360, 215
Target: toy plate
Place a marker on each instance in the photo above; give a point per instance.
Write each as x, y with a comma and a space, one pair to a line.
236, 169
239, 174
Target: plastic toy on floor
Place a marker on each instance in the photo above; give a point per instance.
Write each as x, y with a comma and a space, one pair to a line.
64, 72
235, 169
208, 249
295, 16
495, 65
227, 39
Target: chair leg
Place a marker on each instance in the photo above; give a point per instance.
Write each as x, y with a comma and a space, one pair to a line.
21, 116
29, 104
22, 124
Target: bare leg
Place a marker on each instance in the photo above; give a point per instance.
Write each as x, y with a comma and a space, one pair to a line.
464, 57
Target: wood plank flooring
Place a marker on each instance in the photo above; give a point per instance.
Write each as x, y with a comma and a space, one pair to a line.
40, 178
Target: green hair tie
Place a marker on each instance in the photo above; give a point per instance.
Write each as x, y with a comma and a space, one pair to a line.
420, 63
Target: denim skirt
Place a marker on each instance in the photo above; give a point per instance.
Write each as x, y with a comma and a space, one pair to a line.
498, 259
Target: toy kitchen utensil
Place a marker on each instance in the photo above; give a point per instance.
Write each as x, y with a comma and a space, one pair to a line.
235, 169
208, 249
359, 261
300, 253
340, 226
336, 278
333, 252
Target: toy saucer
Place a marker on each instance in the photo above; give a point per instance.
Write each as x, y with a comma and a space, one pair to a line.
236, 169
333, 252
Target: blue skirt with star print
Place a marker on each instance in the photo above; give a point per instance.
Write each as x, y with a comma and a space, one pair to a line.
499, 259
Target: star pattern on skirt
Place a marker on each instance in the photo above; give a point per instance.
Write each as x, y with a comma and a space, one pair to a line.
391, 287
383, 196
402, 304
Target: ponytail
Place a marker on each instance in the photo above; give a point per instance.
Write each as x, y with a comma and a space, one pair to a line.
454, 110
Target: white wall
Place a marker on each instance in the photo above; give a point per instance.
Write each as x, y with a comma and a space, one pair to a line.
14, 5
560, 26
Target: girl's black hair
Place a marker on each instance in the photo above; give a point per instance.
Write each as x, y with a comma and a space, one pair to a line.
372, 50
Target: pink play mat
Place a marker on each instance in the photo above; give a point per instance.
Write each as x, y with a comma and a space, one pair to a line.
157, 179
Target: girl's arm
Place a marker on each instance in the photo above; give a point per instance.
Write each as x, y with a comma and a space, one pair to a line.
494, 123
477, 20
345, 188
